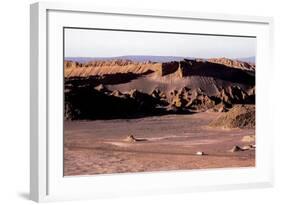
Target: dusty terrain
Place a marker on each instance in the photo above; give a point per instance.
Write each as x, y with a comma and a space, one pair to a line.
172, 141
130, 116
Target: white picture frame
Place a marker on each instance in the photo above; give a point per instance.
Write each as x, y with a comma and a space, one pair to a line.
46, 179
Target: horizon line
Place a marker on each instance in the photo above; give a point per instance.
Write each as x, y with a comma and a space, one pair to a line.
119, 56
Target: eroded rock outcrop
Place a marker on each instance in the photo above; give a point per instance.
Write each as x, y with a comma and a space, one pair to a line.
99, 68
168, 68
240, 116
233, 63
124, 89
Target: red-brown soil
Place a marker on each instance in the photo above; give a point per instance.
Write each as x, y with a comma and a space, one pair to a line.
100, 147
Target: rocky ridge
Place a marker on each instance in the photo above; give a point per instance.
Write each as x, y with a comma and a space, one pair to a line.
125, 89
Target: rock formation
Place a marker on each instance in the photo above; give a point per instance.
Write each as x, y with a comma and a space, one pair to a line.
125, 89
168, 68
236, 149
233, 63
240, 116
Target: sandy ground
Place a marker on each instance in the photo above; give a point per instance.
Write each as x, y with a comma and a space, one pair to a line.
98, 147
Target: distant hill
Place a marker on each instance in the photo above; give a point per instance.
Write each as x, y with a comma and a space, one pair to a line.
251, 59
139, 58
145, 58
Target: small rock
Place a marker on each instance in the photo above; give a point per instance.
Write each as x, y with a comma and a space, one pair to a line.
101, 88
116, 93
236, 149
247, 147
130, 138
200, 153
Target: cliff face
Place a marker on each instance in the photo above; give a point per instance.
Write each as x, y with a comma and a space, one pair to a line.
168, 68
97, 68
124, 89
233, 63
217, 68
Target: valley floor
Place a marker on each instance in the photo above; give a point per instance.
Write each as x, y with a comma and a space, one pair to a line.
170, 143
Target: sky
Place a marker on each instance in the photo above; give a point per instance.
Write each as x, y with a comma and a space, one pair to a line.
107, 43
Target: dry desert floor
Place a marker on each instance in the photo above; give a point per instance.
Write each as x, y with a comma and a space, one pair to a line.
170, 142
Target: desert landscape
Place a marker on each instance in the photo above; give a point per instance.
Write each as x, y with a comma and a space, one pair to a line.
158, 113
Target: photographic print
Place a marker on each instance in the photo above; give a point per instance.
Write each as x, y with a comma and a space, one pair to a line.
142, 101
